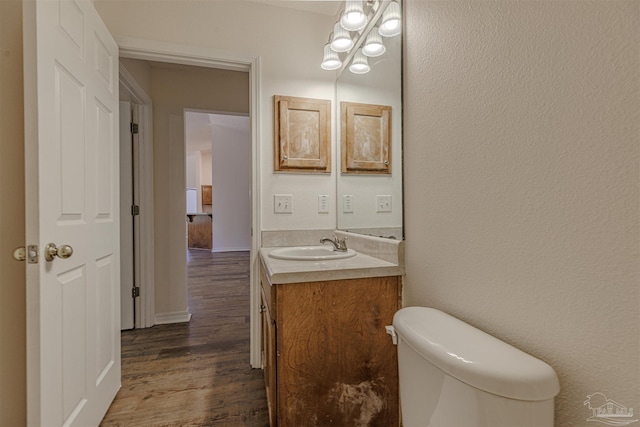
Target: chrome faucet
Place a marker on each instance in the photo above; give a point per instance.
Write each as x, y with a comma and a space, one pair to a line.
340, 245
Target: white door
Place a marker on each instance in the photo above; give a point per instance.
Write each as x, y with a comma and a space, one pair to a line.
126, 218
71, 131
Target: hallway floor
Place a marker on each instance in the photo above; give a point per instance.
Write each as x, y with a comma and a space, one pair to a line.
197, 373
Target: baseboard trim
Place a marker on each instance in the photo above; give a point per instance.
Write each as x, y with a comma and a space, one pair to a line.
244, 249
173, 317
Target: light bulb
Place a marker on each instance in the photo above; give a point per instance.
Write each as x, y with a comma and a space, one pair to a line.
341, 41
331, 60
360, 64
354, 18
373, 46
391, 19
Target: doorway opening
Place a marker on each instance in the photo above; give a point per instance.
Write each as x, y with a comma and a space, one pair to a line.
175, 90
129, 212
224, 139
218, 175
172, 54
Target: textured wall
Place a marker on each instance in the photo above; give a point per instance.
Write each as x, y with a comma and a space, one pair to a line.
522, 124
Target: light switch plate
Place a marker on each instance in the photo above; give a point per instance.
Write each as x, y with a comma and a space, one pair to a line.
347, 203
383, 203
323, 203
283, 203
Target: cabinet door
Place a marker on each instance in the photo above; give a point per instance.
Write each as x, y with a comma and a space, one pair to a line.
302, 134
207, 194
268, 358
336, 364
365, 138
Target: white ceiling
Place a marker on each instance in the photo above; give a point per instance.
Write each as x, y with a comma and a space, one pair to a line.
327, 7
198, 127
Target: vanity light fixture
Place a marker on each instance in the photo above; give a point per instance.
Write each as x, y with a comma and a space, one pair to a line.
391, 21
353, 18
360, 63
341, 39
331, 60
383, 18
373, 45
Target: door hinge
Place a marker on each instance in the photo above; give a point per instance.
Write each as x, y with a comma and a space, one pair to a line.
134, 128
135, 210
135, 292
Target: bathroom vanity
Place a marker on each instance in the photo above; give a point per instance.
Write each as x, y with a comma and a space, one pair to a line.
327, 358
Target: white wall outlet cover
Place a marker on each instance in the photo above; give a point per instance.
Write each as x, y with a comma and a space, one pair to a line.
323, 203
347, 203
282, 203
383, 203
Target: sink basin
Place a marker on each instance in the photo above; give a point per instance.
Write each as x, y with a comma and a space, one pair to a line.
310, 253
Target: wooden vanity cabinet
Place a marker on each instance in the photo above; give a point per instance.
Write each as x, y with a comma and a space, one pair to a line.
327, 358
269, 351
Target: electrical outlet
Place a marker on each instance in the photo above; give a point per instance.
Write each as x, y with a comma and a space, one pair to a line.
383, 203
282, 203
347, 203
323, 203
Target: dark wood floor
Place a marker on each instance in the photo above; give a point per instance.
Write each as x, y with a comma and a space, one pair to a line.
197, 373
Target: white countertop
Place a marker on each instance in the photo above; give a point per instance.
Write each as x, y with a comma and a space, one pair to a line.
359, 266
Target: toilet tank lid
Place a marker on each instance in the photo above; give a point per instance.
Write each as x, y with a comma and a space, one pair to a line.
475, 357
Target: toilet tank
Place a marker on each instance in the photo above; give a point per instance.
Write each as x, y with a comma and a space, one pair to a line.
452, 374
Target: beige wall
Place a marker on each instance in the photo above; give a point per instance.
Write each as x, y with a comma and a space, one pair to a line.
140, 71
172, 90
289, 43
12, 273
522, 122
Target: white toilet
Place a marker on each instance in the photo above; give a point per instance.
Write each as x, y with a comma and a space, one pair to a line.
454, 375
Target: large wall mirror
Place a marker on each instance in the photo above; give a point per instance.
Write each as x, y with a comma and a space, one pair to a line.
369, 143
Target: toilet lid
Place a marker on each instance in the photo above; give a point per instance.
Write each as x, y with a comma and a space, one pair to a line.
475, 357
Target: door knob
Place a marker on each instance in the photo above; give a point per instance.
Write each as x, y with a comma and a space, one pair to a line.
51, 251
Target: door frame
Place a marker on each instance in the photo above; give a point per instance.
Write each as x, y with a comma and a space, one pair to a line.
143, 179
152, 50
